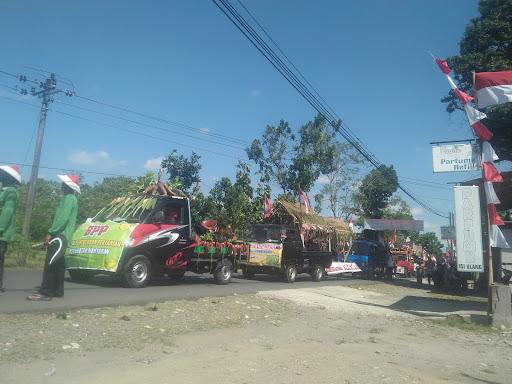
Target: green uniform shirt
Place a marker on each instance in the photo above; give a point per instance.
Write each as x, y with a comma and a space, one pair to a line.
8, 203
65, 218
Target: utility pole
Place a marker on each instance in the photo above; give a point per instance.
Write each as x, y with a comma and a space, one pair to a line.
48, 89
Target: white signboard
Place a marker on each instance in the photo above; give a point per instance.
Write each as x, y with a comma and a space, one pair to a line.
455, 157
468, 229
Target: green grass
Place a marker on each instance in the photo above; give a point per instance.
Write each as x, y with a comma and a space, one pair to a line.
458, 322
20, 254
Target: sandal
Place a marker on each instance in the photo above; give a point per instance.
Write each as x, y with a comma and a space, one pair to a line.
38, 297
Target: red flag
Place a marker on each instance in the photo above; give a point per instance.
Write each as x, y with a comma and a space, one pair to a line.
443, 66
490, 173
305, 200
494, 218
463, 96
493, 88
268, 208
350, 223
482, 131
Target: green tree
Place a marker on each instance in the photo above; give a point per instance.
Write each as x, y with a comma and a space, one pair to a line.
48, 195
429, 242
94, 198
183, 172
397, 209
291, 160
485, 47
271, 154
341, 181
375, 190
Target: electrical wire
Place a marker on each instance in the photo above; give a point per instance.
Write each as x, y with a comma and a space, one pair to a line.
244, 27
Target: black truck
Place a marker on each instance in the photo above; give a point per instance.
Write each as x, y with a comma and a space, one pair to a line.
279, 249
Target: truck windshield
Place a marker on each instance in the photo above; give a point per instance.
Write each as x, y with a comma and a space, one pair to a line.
132, 209
265, 233
360, 248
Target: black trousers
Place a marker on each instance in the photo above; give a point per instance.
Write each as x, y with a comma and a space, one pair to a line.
3, 251
54, 268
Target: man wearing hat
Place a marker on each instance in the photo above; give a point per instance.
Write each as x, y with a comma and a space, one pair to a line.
10, 178
59, 236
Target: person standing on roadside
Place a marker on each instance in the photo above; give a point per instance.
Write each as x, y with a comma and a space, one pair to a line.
10, 178
59, 236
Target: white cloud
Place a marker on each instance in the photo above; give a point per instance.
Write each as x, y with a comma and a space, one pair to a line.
255, 93
94, 158
432, 227
152, 164
204, 130
417, 211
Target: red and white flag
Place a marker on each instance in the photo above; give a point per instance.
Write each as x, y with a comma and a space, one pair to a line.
305, 200
497, 238
267, 208
474, 117
350, 223
494, 217
493, 88
490, 173
490, 194
488, 153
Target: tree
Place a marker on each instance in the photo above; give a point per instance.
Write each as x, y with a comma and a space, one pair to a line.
375, 190
183, 172
485, 47
48, 195
291, 160
429, 242
270, 154
397, 209
341, 181
94, 198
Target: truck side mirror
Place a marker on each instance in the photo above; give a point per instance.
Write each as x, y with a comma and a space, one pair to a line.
158, 217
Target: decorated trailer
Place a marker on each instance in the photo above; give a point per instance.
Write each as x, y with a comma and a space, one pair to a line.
291, 242
141, 236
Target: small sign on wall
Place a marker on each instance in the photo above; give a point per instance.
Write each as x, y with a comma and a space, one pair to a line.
455, 157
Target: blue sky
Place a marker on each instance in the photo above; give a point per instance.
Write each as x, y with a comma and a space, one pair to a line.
183, 61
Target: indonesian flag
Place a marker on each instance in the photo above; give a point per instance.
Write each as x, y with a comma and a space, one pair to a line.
463, 97
497, 238
474, 117
267, 208
392, 239
494, 218
488, 154
493, 88
490, 173
305, 200
350, 223
490, 194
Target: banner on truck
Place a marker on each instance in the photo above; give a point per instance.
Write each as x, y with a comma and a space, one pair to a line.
455, 157
468, 229
98, 245
265, 254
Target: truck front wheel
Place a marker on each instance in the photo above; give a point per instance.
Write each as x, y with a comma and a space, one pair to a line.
223, 272
318, 273
137, 272
290, 273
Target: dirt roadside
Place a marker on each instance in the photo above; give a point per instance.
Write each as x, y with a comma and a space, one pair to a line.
329, 335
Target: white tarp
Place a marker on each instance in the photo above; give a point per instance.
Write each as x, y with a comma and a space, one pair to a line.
468, 229
338, 267
455, 157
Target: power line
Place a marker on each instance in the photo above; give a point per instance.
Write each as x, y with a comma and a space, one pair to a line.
254, 38
67, 169
151, 117
150, 125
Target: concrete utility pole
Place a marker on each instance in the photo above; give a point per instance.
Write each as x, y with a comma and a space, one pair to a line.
48, 89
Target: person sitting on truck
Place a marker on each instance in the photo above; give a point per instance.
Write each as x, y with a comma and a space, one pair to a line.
172, 215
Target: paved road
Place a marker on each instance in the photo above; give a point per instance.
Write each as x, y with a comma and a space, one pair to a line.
105, 291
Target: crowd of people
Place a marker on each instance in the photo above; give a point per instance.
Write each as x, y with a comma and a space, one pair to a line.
56, 240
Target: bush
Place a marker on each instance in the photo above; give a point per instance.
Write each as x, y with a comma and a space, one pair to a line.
21, 254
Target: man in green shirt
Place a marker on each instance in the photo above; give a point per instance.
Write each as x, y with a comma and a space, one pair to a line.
10, 178
59, 236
